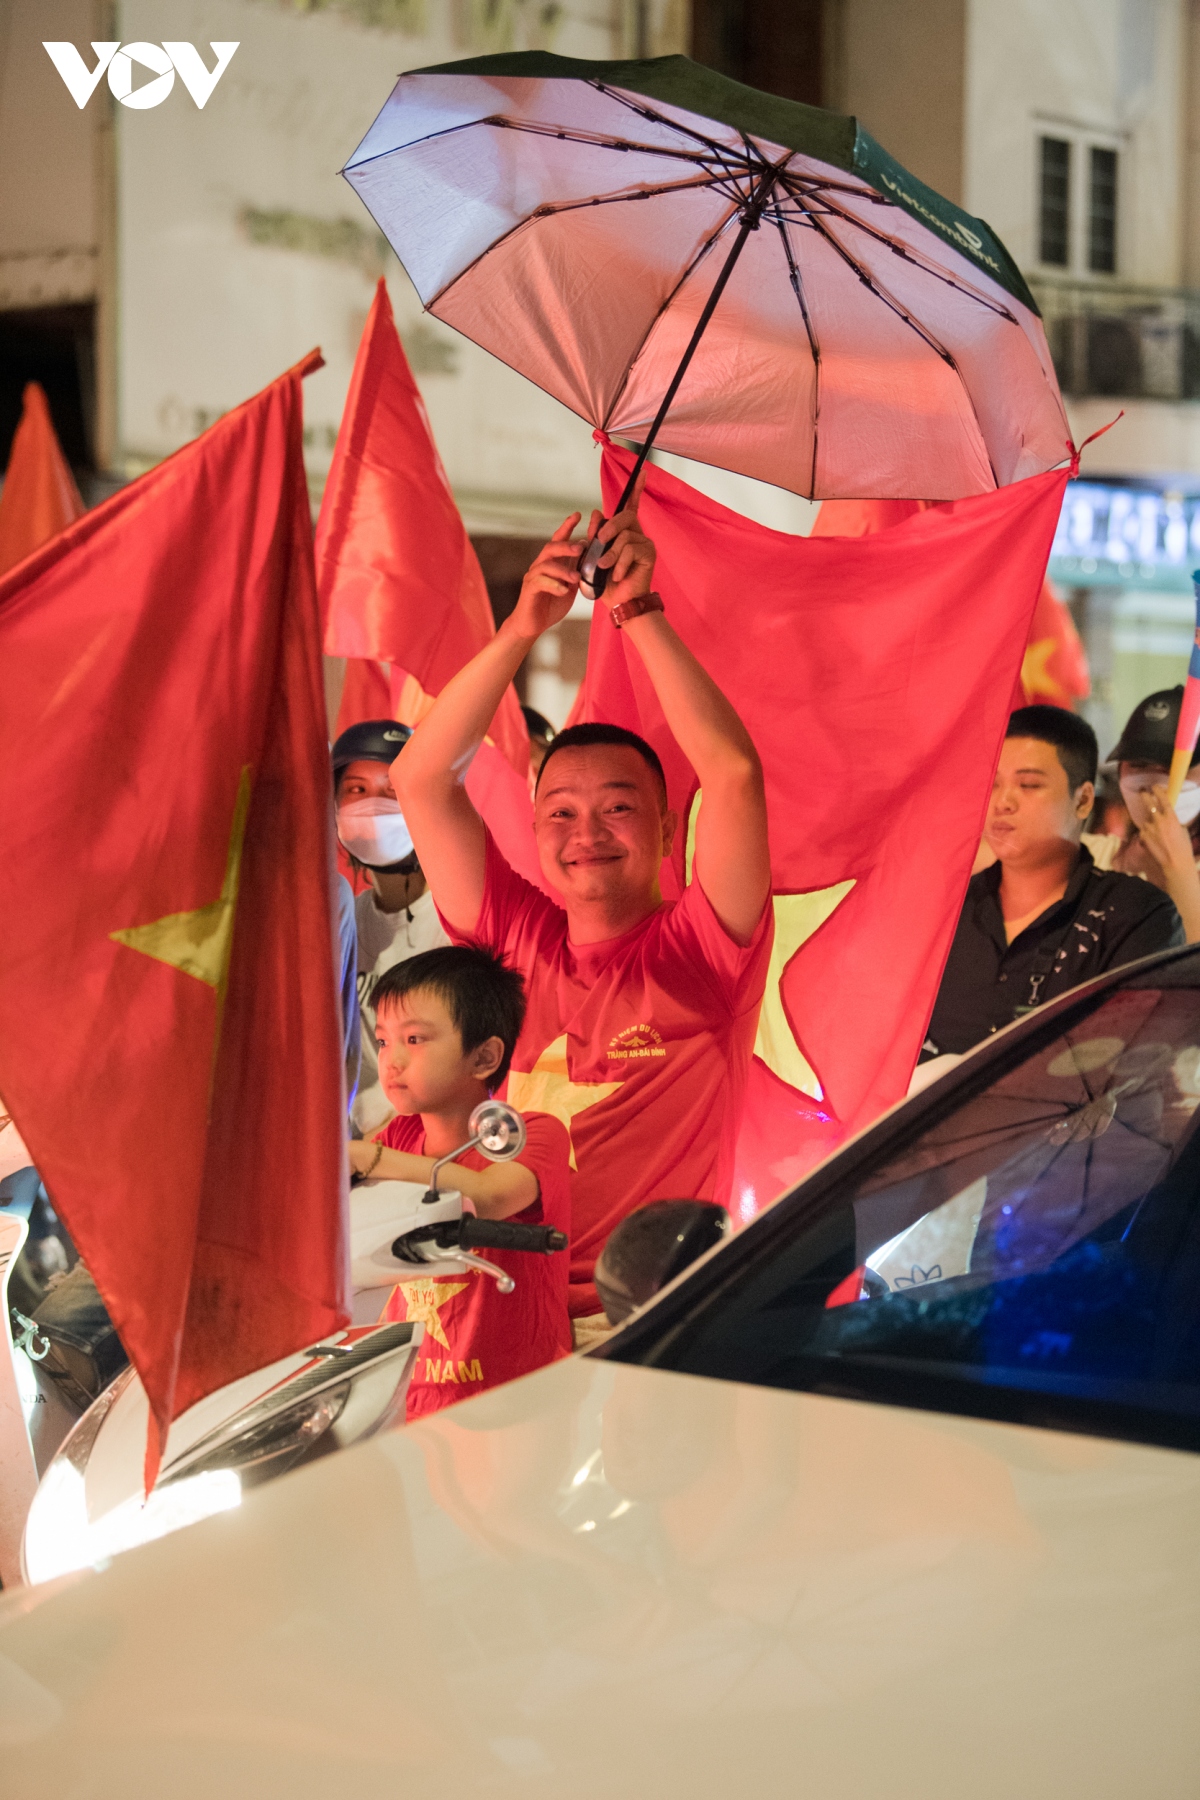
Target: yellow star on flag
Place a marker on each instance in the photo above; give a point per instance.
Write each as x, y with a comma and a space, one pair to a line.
1035, 675
422, 1302
199, 942
548, 1088
797, 916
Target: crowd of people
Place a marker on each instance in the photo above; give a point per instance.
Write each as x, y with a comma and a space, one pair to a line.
623, 1024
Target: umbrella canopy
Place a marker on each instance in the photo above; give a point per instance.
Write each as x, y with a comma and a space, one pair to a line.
591, 223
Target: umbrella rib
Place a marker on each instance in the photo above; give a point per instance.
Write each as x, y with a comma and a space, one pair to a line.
597, 141
906, 255
552, 207
735, 205
826, 184
701, 253
814, 347
657, 118
868, 281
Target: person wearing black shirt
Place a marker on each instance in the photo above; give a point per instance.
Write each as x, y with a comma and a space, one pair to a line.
1043, 918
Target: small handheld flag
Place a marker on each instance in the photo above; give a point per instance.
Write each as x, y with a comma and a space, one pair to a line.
1188, 729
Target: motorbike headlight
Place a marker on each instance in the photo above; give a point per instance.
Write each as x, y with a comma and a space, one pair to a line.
59, 1537
343, 1392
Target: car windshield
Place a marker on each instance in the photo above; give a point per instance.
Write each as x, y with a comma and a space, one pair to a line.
1033, 1254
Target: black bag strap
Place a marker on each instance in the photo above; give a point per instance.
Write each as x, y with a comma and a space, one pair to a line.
1045, 959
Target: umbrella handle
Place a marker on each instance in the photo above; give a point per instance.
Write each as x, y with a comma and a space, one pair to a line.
591, 575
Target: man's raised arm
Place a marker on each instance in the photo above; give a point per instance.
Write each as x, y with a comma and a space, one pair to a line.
428, 775
732, 861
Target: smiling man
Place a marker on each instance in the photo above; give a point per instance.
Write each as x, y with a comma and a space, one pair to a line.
1042, 918
641, 1014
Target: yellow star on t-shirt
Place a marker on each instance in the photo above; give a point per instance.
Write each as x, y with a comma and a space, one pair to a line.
199, 942
548, 1088
797, 916
422, 1302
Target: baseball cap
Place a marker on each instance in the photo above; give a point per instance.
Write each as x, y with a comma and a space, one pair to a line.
1149, 734
374, 740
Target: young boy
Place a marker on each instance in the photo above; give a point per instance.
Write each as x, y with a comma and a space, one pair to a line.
446, 1023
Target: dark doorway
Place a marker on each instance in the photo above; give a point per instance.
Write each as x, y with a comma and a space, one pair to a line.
775, 45
54, 345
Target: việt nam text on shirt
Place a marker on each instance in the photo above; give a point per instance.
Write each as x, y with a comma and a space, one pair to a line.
640, 1045
475, 1336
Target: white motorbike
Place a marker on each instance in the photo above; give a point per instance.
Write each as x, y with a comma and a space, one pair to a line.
89, 1502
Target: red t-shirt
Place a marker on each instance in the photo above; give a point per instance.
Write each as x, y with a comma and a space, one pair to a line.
640, 1045
475, 1336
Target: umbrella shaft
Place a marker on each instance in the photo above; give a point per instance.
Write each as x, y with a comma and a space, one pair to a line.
750, 220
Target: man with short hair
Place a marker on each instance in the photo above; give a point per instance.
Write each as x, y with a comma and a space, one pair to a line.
641, 1015
1042, 918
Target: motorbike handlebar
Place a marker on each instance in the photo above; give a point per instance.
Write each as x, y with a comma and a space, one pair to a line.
502, 1234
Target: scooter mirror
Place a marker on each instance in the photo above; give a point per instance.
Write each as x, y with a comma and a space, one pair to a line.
498, 1130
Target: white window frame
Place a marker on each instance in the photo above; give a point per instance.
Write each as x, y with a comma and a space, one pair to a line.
1082, 139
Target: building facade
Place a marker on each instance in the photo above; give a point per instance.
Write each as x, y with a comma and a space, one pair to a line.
158, 264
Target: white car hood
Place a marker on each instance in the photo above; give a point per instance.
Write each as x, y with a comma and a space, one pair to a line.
610, 1583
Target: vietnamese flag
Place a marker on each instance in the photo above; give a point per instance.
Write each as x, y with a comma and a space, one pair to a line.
399, 579
875, 674
856, 518
1054, 669
402, 593
39, 496
170, 1044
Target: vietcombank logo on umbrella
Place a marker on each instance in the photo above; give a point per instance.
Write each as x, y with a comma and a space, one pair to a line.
164, 61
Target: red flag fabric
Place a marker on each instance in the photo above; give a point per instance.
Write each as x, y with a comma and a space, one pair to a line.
875, 675
366, 694
39, 496
399, 580
855, 518
1054, 670
170, 1042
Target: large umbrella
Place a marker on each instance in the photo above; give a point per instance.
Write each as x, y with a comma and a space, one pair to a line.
752, 282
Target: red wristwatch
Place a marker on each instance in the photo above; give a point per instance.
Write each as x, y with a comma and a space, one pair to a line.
633, 609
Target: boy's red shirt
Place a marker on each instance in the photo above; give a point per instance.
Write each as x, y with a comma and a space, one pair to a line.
642, 1043
475, 1336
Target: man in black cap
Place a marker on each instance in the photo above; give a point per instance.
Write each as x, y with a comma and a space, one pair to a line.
1043, 918
395, 916
1165, 845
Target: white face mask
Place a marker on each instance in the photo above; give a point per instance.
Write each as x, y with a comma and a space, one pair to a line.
1187, 807
374, 832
